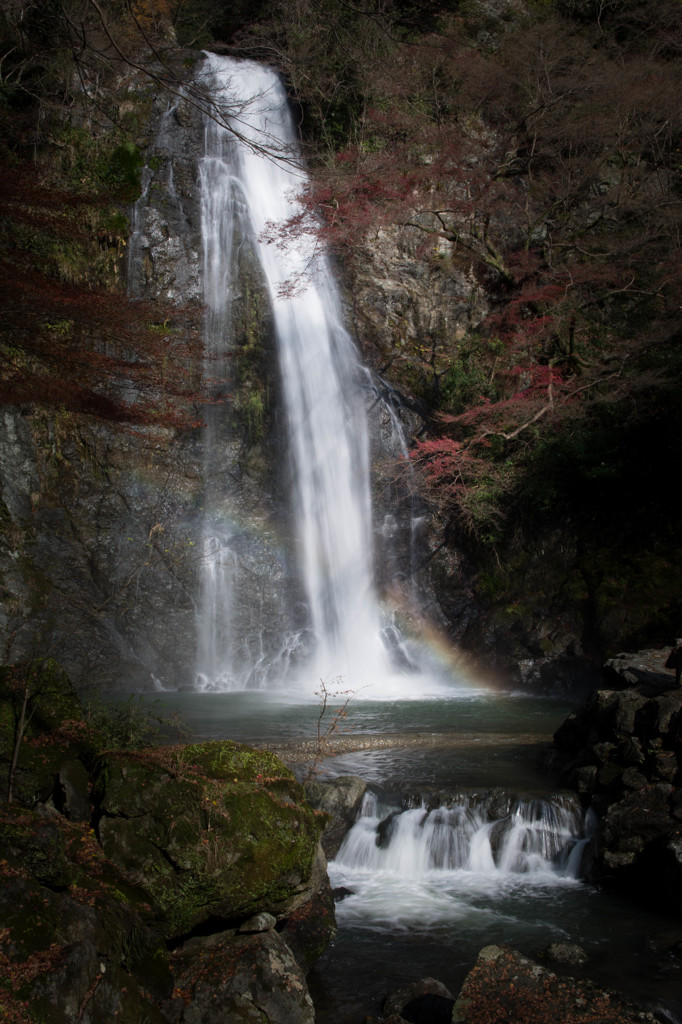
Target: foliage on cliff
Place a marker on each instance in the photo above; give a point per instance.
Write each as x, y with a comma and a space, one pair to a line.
75, 95
532, 148
68, 337
539, 145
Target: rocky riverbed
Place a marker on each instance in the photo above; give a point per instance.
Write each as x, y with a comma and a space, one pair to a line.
187, 884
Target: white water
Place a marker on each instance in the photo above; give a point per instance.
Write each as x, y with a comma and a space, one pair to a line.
452, 864
251, 181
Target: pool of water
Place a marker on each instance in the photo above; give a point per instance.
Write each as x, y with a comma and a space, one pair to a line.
392, 942
259, 716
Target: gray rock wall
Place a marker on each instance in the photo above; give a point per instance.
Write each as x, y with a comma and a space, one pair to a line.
622, 750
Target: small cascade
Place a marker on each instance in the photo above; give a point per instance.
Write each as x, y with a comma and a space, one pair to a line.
484, 834
471, 862
135, 275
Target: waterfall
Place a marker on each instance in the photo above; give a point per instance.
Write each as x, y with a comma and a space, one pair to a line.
250, 176
411, 864
477, 834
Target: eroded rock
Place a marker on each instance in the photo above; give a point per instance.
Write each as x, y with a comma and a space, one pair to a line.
340, 798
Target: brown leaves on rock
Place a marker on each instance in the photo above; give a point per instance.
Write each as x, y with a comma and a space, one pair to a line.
14, 973
505, 988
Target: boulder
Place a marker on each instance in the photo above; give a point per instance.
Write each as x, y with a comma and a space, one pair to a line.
625, 670
212, 831
243, 979
75, 945
211, 837
308, 925
341, 799
426, 1001
503, 986
568, 953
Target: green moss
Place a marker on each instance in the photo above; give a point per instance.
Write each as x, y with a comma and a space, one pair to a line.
213, 829
115, 221
223, 759
124, 166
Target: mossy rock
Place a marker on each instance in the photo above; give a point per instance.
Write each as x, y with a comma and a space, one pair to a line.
34, 845
212, 830
49, 773
70, 926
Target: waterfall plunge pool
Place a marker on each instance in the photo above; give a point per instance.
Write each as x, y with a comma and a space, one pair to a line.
404, 922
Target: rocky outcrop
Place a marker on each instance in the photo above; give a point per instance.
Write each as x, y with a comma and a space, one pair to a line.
503, 985
341, 799
622, 750
193, 890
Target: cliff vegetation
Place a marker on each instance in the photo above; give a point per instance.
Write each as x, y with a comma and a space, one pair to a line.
500, 182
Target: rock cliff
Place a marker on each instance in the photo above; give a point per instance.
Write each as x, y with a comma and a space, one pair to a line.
622, 750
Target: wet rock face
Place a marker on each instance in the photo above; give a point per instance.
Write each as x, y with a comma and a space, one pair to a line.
401, 306
103, 562
623, 751
341, 799
101, 524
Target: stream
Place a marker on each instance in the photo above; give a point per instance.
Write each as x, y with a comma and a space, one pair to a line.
409, 916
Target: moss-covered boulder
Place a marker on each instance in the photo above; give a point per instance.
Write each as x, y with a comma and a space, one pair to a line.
210, 831
107, 859
75, 944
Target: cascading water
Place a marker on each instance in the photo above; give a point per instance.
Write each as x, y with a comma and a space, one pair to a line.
489, 834
447, 862
249, 179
